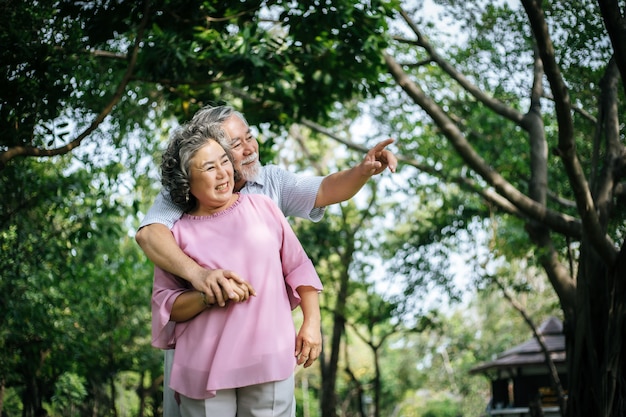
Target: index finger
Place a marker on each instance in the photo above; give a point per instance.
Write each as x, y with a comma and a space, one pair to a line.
382, 144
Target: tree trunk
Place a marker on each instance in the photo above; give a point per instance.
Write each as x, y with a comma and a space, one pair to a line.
377, 383
2, 391
358, 397
328, 399
142, 393
31, 402
33, 357
113, 395
595, 338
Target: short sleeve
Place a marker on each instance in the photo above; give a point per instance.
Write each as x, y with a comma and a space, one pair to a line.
294, 194
166, 288
298, 269
163, 211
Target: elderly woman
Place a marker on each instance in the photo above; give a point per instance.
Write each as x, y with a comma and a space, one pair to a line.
236, 360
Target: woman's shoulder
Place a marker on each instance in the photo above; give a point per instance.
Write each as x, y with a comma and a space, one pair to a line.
261, 202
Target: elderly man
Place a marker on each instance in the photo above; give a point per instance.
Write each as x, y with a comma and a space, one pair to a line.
296, 195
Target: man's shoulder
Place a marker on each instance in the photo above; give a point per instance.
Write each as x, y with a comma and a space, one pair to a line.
272, 169
255, 197
273, 174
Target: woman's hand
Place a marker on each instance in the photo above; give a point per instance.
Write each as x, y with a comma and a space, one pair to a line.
221, 286
309, 338
243, 290
308, 344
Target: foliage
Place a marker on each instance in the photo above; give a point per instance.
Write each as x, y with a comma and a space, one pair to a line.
70, 309
518, 158
69, 392
442, 408
139, 62
525, 116
94, 75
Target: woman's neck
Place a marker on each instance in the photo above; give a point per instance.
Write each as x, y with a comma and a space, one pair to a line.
203, 210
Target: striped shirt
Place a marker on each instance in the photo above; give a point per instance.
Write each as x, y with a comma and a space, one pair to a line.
294, 194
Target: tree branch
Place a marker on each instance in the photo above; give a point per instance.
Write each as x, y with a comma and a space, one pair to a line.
615, 24
566, 146
559, 222
554, 374
488, 194
495, 105
15, 151
609, 128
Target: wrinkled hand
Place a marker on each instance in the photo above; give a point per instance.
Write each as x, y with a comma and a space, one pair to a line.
308, 344
243, 290
221, 285
378, 159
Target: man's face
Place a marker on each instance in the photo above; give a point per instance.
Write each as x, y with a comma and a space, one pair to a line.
244, 147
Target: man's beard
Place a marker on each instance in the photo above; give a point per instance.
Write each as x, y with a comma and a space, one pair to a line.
250, 171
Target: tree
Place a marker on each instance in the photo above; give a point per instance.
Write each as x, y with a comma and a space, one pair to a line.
522, 116
331, 245
76, 285
569, 81
133, 64
85, 82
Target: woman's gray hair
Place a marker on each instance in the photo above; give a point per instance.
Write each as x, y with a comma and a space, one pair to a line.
183, 145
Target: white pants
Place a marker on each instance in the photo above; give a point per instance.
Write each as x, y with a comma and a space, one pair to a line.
272, 399
170, 405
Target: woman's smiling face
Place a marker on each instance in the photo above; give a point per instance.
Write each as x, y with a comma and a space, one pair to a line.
211, 178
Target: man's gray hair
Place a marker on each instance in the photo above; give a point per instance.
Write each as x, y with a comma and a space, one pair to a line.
216, 114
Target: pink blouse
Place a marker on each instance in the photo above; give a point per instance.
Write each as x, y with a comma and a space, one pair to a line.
243, 343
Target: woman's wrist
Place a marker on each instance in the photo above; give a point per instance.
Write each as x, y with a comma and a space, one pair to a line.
205, 301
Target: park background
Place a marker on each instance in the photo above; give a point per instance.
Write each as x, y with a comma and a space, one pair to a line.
507, 207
